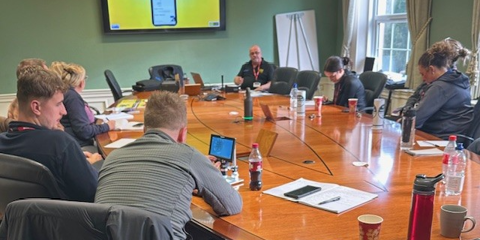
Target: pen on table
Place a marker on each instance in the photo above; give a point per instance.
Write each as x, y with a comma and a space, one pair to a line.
435, 145
106, 119
330, 200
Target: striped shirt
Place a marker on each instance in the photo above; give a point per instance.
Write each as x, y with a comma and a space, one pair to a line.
158, 174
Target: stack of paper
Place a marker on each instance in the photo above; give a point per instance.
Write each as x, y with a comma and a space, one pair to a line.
425, 152
349, 197
114, 116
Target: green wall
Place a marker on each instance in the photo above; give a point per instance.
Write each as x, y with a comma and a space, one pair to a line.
71, 31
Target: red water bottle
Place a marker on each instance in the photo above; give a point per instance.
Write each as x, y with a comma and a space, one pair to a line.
255, 168
421, 212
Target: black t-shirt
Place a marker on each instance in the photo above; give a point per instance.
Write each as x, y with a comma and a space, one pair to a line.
265, 74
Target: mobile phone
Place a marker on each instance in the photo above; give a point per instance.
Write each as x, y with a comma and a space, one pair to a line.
164, 12
302, 192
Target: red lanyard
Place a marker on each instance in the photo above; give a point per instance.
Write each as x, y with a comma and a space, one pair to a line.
21, 129
256, 73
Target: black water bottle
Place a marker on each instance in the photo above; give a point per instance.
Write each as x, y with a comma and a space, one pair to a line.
248, 106
255, 168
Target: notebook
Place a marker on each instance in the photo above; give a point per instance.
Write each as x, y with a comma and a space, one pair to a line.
269, 115
198, 80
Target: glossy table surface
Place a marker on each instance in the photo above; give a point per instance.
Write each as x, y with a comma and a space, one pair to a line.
333, 141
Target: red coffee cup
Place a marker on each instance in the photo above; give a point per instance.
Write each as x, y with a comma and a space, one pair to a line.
369, 226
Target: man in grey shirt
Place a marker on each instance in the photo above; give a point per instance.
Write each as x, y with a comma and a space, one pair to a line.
158, 172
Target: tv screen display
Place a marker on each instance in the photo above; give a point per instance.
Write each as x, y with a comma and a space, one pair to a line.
137, 16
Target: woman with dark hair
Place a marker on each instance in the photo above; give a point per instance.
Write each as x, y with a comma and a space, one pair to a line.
445, 107
347, 84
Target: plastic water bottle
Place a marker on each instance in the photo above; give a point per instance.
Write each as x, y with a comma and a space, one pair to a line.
456, 171
255, 168
293, 98
447, 152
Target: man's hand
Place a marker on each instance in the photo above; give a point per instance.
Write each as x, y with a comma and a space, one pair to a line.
238, 80
92, 157
214, 161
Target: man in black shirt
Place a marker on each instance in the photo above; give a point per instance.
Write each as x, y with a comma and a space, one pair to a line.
35, 136
257, 73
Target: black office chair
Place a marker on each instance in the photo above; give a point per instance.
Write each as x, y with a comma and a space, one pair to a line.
283, 79
308, 80
56, 219
24, 178
473, 131
373, 82
167, 74
113, 84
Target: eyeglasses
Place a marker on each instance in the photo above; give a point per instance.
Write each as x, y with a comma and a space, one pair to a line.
253, 53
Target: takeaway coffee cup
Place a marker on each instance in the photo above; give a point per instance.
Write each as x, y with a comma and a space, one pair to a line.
369, 226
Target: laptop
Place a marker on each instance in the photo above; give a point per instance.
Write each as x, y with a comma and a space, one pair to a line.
269, 115
223, 148
198, 80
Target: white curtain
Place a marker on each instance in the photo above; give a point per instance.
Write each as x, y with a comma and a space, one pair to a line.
419, 18
348, 10
472, 69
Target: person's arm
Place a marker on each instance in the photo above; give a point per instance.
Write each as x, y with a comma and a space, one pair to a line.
79, 121
432, 101
239, 78
416, 96
79, 176
213, 188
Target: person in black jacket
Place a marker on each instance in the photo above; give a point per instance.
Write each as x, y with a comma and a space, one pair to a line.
347, 84
34, 135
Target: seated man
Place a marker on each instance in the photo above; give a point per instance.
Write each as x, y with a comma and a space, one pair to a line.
158, 172
34, 136
256, 71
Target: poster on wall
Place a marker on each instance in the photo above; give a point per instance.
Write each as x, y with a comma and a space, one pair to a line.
297, 40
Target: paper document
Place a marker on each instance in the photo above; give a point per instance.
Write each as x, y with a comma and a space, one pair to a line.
425, 152
125, 125
120, 143
432, 143
114, 116
349, 197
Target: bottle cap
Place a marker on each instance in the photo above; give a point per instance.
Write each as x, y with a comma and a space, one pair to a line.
294, 85
459, 146
254, 145
424, 183
452, 138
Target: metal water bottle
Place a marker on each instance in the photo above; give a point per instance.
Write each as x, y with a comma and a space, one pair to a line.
421, 212
408, 129
248, 106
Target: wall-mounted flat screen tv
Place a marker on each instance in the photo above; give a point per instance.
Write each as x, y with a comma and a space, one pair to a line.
142, 16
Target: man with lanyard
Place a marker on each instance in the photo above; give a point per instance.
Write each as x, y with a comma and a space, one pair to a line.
255, 74
35, 136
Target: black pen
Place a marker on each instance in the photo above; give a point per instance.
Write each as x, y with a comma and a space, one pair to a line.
330, 200
435, 145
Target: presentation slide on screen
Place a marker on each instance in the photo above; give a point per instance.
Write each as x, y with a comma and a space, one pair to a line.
153, 14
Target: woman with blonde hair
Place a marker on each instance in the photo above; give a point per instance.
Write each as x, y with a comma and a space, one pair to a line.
79, 121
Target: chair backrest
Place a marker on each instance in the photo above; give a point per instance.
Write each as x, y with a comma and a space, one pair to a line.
24, 178
373, 82
113, 84
283, 79
57, 219
474, 128
308, 80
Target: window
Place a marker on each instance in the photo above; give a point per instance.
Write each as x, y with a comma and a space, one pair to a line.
391, 39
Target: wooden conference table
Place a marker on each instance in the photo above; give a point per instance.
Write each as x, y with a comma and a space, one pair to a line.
333, 141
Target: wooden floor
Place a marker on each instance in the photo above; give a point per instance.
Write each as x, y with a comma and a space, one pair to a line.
333, 141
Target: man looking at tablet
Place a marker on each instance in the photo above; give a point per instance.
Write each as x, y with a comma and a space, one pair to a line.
158, 172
